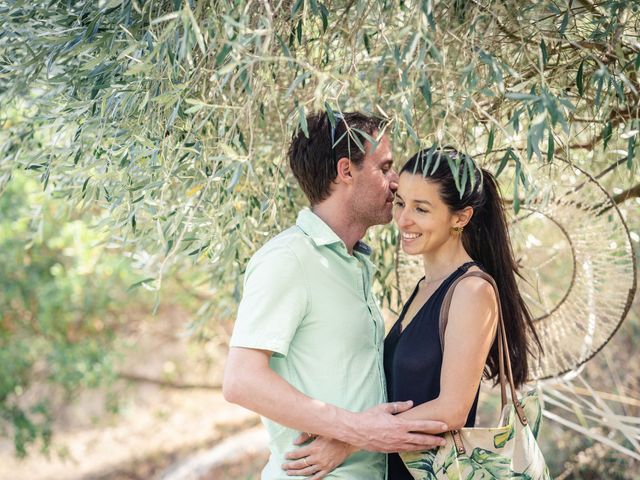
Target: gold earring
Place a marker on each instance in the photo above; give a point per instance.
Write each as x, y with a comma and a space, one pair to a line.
457, 230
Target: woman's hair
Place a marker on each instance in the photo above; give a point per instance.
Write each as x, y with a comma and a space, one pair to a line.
486, 239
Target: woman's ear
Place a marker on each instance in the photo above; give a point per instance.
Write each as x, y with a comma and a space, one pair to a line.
344, 171
462, 217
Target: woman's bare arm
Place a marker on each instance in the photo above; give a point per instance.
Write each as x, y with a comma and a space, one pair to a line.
473, 319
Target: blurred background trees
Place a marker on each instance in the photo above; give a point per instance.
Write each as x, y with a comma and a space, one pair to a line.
143, 142
59, 290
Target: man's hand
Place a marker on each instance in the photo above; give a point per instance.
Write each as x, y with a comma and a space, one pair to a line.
378, 429
317, 459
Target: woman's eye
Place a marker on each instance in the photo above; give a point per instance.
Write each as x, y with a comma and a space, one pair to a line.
421, 210
398, 204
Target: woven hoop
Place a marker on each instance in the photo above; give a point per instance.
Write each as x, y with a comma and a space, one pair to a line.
577, 262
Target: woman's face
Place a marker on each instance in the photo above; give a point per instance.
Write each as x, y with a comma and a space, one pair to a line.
423, 219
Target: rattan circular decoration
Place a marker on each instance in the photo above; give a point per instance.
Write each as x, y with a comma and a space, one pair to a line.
577, 263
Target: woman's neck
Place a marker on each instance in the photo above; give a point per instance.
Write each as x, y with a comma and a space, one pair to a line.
439, 265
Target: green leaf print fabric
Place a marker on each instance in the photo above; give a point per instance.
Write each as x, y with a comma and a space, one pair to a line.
509, 451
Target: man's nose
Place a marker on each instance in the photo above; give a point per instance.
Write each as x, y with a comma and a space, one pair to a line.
393, 182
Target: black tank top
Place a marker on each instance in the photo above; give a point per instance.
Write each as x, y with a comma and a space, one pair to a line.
413, 360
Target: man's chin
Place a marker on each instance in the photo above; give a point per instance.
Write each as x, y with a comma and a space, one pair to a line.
386, 219
382, 216
388, 212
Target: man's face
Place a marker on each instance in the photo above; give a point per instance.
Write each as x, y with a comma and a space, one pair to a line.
375, 182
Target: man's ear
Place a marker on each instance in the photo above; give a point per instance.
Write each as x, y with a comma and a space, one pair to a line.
344, 169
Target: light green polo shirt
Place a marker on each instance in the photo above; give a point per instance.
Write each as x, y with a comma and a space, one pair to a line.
309, 301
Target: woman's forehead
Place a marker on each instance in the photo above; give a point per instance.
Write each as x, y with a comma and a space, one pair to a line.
418, 183
418, 189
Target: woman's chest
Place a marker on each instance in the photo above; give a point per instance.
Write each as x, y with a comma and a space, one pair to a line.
418, 346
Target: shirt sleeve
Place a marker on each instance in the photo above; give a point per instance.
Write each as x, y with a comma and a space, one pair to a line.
274, 301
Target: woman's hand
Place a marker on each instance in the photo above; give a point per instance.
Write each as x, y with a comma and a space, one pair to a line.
318, 458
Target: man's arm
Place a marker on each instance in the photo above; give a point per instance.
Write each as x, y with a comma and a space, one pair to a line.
250, 382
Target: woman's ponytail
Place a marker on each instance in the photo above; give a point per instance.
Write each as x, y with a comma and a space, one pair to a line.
486, 240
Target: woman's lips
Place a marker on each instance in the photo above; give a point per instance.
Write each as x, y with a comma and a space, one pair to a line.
409, 237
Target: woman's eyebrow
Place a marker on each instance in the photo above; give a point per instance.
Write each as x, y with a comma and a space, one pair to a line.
427, 202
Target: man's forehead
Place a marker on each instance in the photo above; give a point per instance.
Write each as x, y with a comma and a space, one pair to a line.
381, 148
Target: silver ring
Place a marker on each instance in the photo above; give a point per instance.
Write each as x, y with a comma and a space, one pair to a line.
306, 463
395, 408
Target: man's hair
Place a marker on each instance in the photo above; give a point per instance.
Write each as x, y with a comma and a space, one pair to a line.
314, 160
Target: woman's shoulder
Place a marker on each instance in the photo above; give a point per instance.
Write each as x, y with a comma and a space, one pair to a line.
474, 300
474, 291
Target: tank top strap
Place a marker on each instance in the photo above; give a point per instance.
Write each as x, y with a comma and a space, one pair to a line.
466, 266
461, 270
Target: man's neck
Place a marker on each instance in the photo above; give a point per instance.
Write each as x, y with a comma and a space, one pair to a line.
338, 219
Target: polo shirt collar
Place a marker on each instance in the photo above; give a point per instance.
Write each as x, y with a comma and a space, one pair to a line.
321, 233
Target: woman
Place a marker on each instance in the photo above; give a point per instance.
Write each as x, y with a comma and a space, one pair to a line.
454, 233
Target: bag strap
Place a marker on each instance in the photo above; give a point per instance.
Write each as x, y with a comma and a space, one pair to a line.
505, 375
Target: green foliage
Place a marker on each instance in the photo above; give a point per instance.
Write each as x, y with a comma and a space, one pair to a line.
58, 288
175, 116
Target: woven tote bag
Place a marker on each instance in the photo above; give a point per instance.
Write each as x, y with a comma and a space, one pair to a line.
508, 451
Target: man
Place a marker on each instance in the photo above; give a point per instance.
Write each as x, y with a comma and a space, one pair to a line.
306, 352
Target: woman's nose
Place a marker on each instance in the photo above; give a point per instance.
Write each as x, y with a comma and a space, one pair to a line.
402, 219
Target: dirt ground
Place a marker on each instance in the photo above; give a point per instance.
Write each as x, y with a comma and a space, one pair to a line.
155, 427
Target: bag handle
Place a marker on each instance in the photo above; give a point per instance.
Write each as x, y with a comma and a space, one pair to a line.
503, 345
